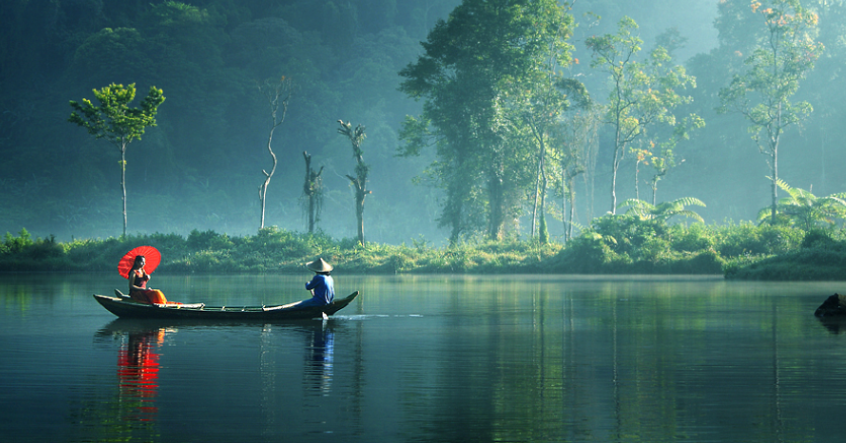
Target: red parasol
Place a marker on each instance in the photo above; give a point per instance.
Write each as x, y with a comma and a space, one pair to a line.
152, 255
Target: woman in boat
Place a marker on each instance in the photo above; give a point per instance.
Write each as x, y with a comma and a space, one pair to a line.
322, 286
138, 279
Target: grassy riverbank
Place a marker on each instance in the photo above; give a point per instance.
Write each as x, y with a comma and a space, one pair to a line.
613, 245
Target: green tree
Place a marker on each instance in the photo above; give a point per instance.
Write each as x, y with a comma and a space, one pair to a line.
359, 181
459, 86
806, 210
642, 93
763, 94
469, 76
115, 121
539, 96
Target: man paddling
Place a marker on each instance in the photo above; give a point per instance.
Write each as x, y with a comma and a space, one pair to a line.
322, 286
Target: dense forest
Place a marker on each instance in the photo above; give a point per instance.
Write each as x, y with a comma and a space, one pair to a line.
524, 146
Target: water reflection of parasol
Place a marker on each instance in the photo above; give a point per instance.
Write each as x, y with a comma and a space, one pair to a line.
138, 372
152, 255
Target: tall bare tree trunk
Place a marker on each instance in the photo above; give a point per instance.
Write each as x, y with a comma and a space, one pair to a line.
359, 215
535, 196
267, 177
277, 95
543, 235
496, 198
540, 179
614, 167
773, 140
571, 214
356, 136
570, 197
312, 190
637, 180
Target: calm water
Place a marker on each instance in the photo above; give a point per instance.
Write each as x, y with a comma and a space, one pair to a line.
427, 359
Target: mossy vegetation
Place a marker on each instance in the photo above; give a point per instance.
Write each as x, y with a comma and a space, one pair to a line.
621, 244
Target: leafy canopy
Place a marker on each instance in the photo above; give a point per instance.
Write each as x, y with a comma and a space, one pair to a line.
785, 55
114, 119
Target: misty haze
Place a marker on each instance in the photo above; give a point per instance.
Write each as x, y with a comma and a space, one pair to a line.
422, 220
201, 166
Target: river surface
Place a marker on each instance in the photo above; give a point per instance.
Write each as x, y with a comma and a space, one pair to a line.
427, 359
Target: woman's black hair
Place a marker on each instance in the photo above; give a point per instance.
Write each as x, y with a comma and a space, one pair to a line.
138, 259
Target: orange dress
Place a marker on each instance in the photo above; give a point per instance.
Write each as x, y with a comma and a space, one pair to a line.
149, 296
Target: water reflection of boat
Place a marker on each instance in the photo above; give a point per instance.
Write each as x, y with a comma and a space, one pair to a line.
138, 360
126, 308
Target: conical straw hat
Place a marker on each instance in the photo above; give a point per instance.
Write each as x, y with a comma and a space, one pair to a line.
319, 265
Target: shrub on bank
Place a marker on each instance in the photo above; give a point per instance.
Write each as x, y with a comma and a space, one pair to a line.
623, 244
697, 237
619, 244
628, 244
747, 239
821, 255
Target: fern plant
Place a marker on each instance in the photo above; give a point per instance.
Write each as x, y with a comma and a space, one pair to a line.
803, 209
664, 210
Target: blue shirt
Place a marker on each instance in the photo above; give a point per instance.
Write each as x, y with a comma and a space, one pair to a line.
324, 289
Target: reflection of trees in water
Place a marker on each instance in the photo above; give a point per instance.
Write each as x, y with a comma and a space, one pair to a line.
509, 375
624, 365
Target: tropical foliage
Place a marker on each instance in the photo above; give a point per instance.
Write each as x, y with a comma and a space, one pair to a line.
665, 210
805, 210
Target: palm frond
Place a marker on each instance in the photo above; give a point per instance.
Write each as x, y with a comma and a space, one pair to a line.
764, 214
689, 201
804, 209
795, 193
644, 210
690, 214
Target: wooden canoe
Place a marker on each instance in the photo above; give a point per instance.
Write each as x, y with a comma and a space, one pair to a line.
127, 308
